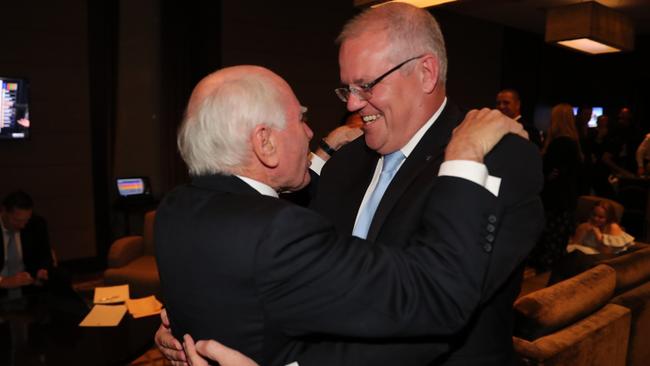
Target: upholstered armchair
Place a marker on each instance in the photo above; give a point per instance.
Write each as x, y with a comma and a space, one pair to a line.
131, 260
572, 323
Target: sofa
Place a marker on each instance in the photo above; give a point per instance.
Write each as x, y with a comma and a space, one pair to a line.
633, 292
131, 260
573, 321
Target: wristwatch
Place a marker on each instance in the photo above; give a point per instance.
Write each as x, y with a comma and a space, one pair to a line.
326, 147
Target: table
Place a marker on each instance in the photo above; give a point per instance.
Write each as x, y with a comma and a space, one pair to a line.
43, 329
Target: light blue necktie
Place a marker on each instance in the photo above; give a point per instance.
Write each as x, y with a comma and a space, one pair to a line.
388, 170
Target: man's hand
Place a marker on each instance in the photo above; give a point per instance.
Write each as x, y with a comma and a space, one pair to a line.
42, 274
339, 137
214, 351
169, 346
18, 280
479, 132
41, 277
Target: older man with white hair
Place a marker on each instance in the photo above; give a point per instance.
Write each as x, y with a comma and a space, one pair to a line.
259, 274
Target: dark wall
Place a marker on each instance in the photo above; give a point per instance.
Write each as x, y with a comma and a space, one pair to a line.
48, 44
296, 40
474, 50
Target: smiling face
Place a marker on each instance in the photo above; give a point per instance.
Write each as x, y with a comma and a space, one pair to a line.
395, 111
508, 104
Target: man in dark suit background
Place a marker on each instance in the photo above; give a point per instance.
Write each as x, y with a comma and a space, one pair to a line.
25, 253
509, 103
258, 272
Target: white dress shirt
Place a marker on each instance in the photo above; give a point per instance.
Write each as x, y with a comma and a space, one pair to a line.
19, 247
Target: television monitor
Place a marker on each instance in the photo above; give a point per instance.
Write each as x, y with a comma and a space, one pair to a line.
595, 113
14, 109
133, 187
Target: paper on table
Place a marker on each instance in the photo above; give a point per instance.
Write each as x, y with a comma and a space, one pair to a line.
111, 294
104, 316
144, 306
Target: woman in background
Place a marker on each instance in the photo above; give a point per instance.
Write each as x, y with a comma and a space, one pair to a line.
601, 233
562, 158
600, 238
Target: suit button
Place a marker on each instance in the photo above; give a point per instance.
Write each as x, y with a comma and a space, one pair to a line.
492, 219
487, 247
490, 228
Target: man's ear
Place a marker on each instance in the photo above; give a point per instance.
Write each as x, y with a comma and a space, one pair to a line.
265, 145
429, 73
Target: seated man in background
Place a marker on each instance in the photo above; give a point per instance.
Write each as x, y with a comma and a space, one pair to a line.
261, 274
25, 254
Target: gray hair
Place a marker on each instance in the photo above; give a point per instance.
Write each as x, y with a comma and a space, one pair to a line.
411, 31
215, 136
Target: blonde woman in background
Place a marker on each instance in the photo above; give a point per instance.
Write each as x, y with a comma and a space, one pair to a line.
563, 159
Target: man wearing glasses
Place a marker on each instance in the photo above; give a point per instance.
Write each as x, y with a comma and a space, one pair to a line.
393, 64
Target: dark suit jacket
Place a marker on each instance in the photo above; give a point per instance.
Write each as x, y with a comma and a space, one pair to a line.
343, 182
35, 245
260, 274
533, 133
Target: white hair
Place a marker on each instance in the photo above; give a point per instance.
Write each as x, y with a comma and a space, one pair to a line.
411, 31
215, 136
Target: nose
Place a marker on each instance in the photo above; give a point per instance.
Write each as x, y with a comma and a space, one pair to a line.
309, 132
355, 102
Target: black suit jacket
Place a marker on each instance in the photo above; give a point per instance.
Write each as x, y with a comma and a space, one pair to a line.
533, 133
487, 338
35, 245
262, 275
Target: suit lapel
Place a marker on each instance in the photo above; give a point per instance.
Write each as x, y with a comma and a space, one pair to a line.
424, 160
343, 183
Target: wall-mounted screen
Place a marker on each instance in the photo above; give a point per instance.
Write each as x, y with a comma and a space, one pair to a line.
595, 113
14, 108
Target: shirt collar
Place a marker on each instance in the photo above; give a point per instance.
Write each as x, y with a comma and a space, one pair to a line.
413, 142
259, 186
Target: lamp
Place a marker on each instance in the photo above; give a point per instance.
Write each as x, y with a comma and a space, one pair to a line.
589, 27
418, 3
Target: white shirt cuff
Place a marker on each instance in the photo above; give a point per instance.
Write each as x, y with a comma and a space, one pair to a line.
472, 171
316, 163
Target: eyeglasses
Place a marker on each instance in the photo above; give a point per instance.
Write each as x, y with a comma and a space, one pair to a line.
364, 91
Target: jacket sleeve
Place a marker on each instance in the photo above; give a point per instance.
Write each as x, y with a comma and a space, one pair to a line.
315, 281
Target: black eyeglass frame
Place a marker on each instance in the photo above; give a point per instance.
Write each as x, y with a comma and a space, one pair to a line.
344, 92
